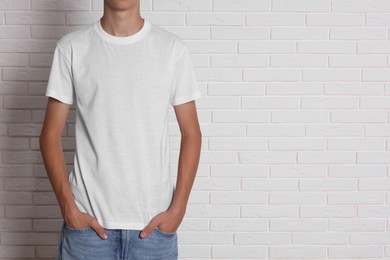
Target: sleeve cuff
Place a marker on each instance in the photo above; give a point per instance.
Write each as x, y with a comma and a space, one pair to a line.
62, 98
185, 99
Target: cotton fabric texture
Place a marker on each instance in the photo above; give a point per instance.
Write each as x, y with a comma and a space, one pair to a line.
122, 88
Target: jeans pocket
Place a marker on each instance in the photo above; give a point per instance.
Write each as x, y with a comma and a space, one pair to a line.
164, 232
77, 229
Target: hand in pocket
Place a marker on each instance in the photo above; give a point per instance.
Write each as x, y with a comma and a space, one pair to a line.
78, 220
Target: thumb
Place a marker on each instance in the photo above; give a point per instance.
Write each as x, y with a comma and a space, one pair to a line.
153, 223
147, 230
99, 229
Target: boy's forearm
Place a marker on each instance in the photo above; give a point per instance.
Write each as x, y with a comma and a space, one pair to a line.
54, 162
189, 156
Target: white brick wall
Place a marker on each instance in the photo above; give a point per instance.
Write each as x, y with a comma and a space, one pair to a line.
295, 122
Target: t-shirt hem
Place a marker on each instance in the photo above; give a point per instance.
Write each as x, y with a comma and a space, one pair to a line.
118, 225
62, 98
186, 99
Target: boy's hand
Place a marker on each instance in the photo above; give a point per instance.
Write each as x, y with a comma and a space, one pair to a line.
79, 219
167, 221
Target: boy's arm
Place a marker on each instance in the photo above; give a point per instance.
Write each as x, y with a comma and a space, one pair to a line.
189, 156
52, 154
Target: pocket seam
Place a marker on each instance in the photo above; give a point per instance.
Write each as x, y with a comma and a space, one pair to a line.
165, 233
77, 229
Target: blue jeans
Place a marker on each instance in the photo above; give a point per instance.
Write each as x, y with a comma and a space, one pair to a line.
121, 244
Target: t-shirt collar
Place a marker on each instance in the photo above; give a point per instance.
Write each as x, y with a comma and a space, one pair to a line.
123, 39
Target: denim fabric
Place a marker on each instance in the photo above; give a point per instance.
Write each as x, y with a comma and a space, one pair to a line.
121, 244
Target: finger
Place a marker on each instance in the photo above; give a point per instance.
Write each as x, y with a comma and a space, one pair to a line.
148, 228
146, 231
99, 229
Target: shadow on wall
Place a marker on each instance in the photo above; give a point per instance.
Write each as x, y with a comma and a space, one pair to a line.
30, 216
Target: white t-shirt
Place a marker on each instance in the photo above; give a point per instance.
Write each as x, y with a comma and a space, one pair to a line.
123, 88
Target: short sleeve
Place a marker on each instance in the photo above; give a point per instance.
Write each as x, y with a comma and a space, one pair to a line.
185, 84
60, 83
